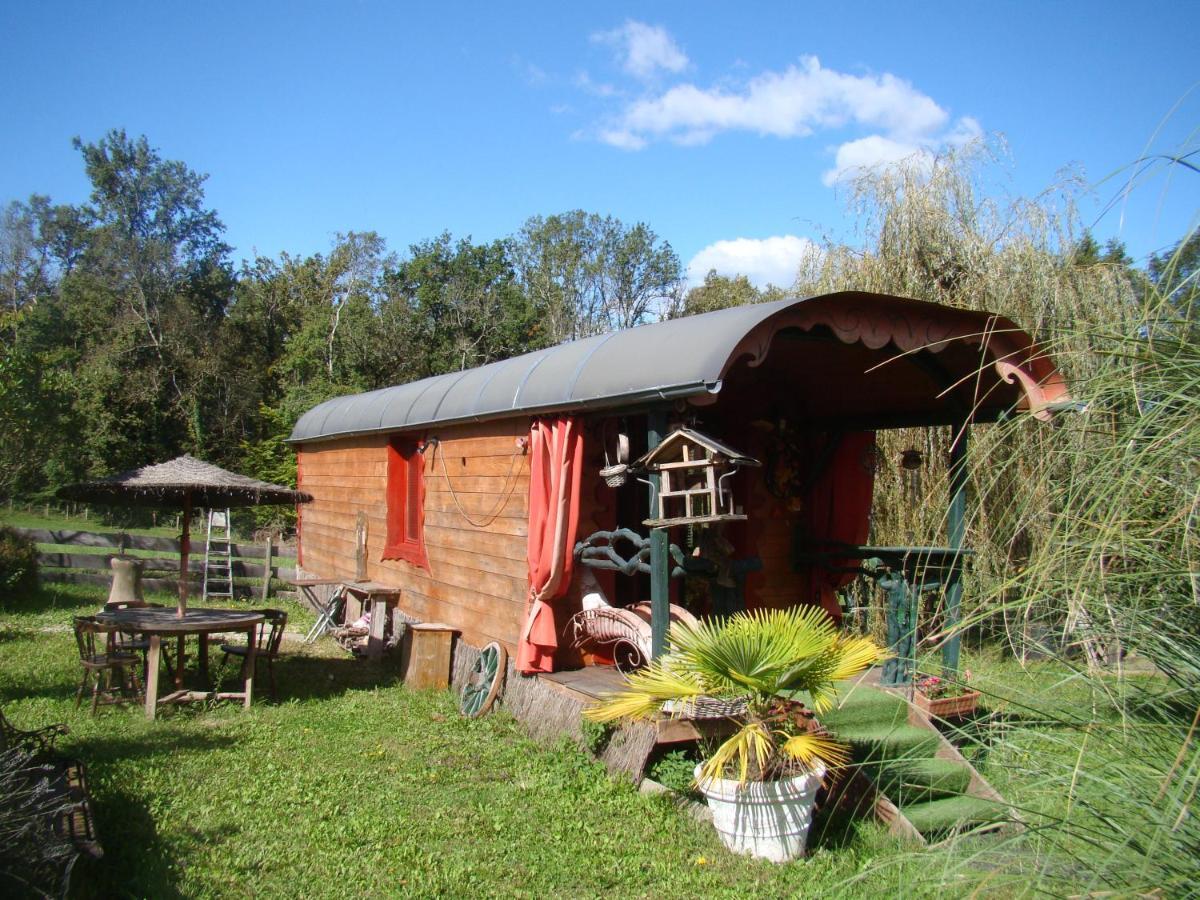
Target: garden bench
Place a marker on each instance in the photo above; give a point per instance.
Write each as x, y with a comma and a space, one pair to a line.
54, 787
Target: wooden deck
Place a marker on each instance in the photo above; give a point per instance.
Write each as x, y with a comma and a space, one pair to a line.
591, 682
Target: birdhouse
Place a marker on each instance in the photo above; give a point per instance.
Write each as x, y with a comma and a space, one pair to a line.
694, 471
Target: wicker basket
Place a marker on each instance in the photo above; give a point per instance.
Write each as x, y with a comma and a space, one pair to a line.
706, 708
947, 707
616, 473
615, 476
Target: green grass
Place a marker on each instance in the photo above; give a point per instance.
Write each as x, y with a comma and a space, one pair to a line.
353, 784
35, 517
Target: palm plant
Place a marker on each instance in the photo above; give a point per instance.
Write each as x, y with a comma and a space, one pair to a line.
779, 667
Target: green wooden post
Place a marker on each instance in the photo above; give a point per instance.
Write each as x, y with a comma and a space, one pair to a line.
956, 533
660, 561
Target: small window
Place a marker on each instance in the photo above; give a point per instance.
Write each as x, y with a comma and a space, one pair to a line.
405, 503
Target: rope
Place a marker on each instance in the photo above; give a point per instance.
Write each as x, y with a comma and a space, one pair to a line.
505, 495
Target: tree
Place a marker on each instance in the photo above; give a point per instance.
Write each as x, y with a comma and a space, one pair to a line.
312, 319
22, 267
635, 274
721, 292
143, 282
1087, 252
22, 420
587, 274
1175, 274
300, 330
150, 236
454, 305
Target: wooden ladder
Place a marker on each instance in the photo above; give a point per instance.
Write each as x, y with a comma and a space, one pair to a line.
218, 555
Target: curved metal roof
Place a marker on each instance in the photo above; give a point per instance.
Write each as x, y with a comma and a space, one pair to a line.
678, 358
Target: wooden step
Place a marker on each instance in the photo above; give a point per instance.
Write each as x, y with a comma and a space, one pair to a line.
906, 766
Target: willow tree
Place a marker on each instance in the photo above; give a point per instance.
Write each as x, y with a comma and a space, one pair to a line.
942, 229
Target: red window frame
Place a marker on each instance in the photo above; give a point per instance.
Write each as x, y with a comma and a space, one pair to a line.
405, 502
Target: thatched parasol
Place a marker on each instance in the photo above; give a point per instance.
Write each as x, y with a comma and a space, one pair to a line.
187, 482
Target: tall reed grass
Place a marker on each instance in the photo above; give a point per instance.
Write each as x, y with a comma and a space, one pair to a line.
1088, 564
1110, 591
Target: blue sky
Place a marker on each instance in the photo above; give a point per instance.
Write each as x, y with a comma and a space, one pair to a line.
721, 125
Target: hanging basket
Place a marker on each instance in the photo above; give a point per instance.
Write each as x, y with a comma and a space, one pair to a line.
615, 476
616, 473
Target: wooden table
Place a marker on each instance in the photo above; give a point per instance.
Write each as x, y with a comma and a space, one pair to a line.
905, 574
376, 594
158, 622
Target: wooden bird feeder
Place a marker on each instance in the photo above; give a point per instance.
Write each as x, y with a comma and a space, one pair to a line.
693, 470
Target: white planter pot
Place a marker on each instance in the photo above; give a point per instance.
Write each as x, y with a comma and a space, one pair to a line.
767, 819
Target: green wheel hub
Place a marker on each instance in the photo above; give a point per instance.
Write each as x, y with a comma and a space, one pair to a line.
484, 682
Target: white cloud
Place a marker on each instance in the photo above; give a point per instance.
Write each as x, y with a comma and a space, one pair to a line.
855, 157
864, 154
773, 260
796, 103
964, 131
622, 140
533, 74
787, 104
642, 50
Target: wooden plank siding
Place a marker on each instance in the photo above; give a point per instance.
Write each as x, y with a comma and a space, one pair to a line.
476, 580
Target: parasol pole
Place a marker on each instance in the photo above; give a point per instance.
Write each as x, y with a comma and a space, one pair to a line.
184, 547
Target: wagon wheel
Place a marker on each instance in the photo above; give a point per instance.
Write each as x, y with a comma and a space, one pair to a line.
483, 684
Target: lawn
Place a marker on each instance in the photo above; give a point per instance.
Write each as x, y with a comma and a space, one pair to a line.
353, 784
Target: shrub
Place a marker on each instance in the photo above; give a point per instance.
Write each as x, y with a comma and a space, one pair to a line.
596, 736
18, 563
675, 770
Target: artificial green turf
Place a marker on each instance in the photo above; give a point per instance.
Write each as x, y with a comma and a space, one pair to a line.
940, 816
884, 742
911, 781
875, 723
899, 758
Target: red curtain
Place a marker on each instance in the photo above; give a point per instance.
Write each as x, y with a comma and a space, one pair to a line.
555, 468
838, 509
405, 502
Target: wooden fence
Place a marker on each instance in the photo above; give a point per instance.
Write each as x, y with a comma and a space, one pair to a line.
259, 562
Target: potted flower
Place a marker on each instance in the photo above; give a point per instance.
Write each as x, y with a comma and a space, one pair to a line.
945, 698
770, 670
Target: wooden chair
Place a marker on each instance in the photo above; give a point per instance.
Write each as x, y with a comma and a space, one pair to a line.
132, 643
100, 660
39, 742
268, 636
